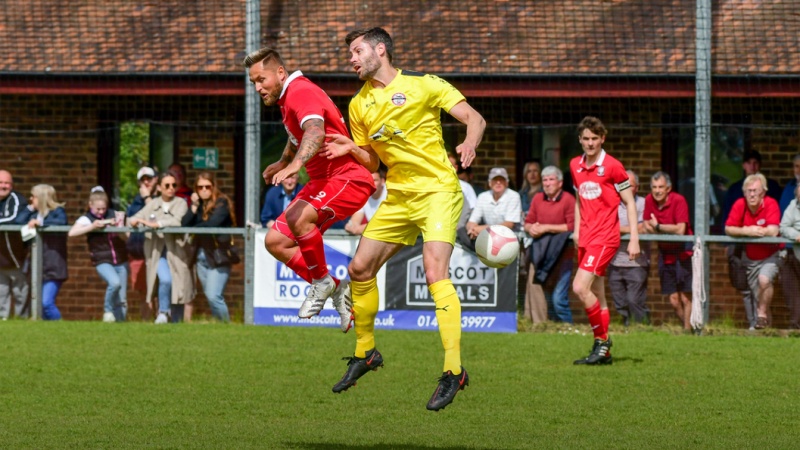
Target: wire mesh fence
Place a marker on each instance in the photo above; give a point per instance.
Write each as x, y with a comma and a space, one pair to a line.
117, 85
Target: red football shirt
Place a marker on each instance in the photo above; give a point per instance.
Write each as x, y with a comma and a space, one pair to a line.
302, 100
560, 210
598, 188
674, 211
769, 213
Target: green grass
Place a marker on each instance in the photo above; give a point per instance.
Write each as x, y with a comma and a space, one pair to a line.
95, 385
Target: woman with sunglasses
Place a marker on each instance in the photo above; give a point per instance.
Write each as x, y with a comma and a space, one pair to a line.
166, 254
212, 208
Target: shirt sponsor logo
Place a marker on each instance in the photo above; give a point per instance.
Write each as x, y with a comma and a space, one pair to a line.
761, 222
399, 99
590, 190
293, 139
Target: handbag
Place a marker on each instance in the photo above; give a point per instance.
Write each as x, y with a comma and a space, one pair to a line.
225, 256
737, 269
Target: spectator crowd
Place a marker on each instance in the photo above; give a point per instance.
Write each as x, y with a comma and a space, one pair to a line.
165, 265
168, 266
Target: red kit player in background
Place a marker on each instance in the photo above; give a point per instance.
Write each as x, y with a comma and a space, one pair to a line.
336, 188
600, 183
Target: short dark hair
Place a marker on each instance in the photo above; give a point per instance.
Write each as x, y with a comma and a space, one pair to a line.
374, 36
592, 124
265, 54
751, 154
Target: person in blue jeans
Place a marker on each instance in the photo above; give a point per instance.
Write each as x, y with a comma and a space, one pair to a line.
550, 221
212, 208
166, 254
43, 210
108, 253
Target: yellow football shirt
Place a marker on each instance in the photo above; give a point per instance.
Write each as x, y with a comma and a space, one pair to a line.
402, 123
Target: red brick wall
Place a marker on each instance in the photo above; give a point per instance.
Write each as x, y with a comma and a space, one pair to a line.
67, 159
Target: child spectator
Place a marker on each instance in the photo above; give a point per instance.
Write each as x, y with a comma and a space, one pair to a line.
43, 211
107, 251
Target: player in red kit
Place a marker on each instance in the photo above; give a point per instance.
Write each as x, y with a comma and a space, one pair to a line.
600, 183
336, 188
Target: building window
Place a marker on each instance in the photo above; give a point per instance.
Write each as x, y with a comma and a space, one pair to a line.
728, 143
123, 148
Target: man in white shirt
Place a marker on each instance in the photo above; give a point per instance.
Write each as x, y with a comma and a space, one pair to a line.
358, 221
497, 206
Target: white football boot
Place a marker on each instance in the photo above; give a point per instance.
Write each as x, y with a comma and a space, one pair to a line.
318, 294
343, 302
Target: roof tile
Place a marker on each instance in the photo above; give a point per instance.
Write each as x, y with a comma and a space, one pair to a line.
511, 37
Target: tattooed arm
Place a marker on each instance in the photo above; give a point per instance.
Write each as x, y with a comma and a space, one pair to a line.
313, 137
288, 155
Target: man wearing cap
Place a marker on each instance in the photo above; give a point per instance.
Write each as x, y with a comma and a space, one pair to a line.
497, 206
13, 282
146, 178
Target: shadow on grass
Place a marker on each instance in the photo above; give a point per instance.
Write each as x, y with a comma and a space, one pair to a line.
330, 446
625, 359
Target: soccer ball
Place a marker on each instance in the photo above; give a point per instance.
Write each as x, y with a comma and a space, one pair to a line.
497, 246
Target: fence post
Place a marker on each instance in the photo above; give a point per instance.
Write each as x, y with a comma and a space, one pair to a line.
252, 156
703, 134
249, 273
36, 277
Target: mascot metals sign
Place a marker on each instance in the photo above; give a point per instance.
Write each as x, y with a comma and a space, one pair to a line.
488, 296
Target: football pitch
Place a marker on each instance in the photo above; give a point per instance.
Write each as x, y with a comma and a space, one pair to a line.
134, 385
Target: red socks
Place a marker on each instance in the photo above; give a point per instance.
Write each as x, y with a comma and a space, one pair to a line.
313, 251
298, 264
599, 319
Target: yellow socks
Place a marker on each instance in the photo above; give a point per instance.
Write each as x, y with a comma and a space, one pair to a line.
365, 308
448, 314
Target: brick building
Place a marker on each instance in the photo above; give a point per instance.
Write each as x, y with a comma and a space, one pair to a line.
71, 73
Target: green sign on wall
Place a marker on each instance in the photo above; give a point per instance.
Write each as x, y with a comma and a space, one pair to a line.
205, 158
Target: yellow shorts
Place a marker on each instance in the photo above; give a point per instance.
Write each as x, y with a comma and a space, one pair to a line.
403, 215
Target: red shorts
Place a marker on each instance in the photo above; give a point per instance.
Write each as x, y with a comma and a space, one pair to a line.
333, 199
595, 259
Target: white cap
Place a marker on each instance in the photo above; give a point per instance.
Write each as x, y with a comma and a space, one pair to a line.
145, 172
498, 172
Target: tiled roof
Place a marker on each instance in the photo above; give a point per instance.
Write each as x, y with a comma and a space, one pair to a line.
513, 37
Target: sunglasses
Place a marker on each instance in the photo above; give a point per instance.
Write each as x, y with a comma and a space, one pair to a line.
170, 185
201, 187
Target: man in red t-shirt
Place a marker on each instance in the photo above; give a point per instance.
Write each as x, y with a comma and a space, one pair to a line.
666, 212
756, 215
550, 220
336, 188
600, 183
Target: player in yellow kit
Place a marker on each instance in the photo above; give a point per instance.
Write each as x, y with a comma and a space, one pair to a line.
394, 118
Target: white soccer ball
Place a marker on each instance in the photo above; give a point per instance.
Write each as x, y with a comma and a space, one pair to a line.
497, 246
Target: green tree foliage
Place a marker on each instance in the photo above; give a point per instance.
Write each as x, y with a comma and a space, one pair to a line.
134, 151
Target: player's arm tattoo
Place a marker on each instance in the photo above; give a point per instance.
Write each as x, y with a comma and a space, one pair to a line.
288, 152
313, 137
